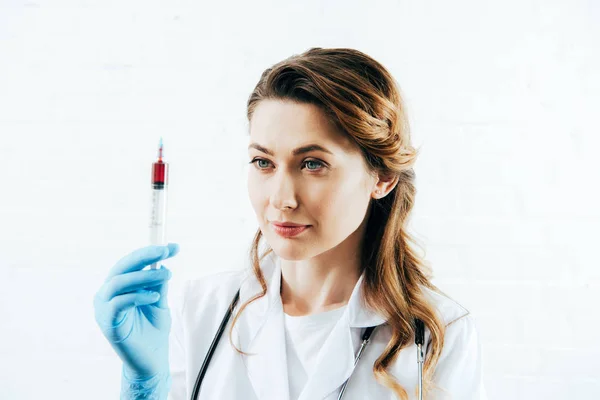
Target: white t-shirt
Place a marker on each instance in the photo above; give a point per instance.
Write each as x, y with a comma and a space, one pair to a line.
304, 337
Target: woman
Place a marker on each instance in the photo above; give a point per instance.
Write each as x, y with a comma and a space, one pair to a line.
330, 153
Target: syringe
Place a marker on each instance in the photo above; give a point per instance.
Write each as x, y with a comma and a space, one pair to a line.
158, 217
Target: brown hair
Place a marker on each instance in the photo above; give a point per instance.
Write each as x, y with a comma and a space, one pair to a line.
361, 98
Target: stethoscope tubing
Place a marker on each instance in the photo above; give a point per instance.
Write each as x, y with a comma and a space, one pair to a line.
365, 341
214, 343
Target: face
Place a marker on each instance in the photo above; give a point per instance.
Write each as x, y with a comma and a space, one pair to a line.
328, 189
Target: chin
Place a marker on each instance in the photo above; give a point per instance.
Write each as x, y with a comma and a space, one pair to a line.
291, 250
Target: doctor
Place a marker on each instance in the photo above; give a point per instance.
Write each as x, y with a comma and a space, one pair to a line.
332, 185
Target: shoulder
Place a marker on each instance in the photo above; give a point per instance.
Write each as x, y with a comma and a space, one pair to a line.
449, 309
206, 291
459, 369
215, 287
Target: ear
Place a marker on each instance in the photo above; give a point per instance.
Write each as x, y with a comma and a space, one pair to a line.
384, 185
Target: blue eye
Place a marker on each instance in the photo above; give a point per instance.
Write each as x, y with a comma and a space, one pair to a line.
259, 160
254, 161
314, 162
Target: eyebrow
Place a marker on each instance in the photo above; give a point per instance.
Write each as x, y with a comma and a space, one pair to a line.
295, 152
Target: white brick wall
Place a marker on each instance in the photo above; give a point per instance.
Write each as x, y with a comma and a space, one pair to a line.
502, 97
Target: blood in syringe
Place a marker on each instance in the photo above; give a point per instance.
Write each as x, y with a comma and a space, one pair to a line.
160, 173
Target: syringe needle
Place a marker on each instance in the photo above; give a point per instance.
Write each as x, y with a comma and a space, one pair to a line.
160, 149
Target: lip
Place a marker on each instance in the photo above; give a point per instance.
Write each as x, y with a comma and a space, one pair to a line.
289, 231
287, 224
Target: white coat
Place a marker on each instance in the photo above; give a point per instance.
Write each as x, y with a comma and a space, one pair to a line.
198, 312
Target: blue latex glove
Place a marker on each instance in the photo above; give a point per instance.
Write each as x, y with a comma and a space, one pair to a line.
131, 310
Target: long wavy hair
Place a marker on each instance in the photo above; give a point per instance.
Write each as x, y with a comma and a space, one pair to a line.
361, 98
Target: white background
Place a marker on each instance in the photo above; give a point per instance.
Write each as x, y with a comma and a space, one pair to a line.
502, 99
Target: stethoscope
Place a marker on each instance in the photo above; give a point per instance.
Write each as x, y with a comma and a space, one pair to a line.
419, 339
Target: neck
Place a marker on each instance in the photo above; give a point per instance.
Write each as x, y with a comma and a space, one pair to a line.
321, 283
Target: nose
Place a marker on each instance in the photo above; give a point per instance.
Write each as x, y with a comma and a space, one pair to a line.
283, 195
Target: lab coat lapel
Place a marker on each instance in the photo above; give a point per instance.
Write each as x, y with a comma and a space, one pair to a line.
261, 333
335, 362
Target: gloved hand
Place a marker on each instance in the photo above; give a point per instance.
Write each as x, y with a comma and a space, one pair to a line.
131, 310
